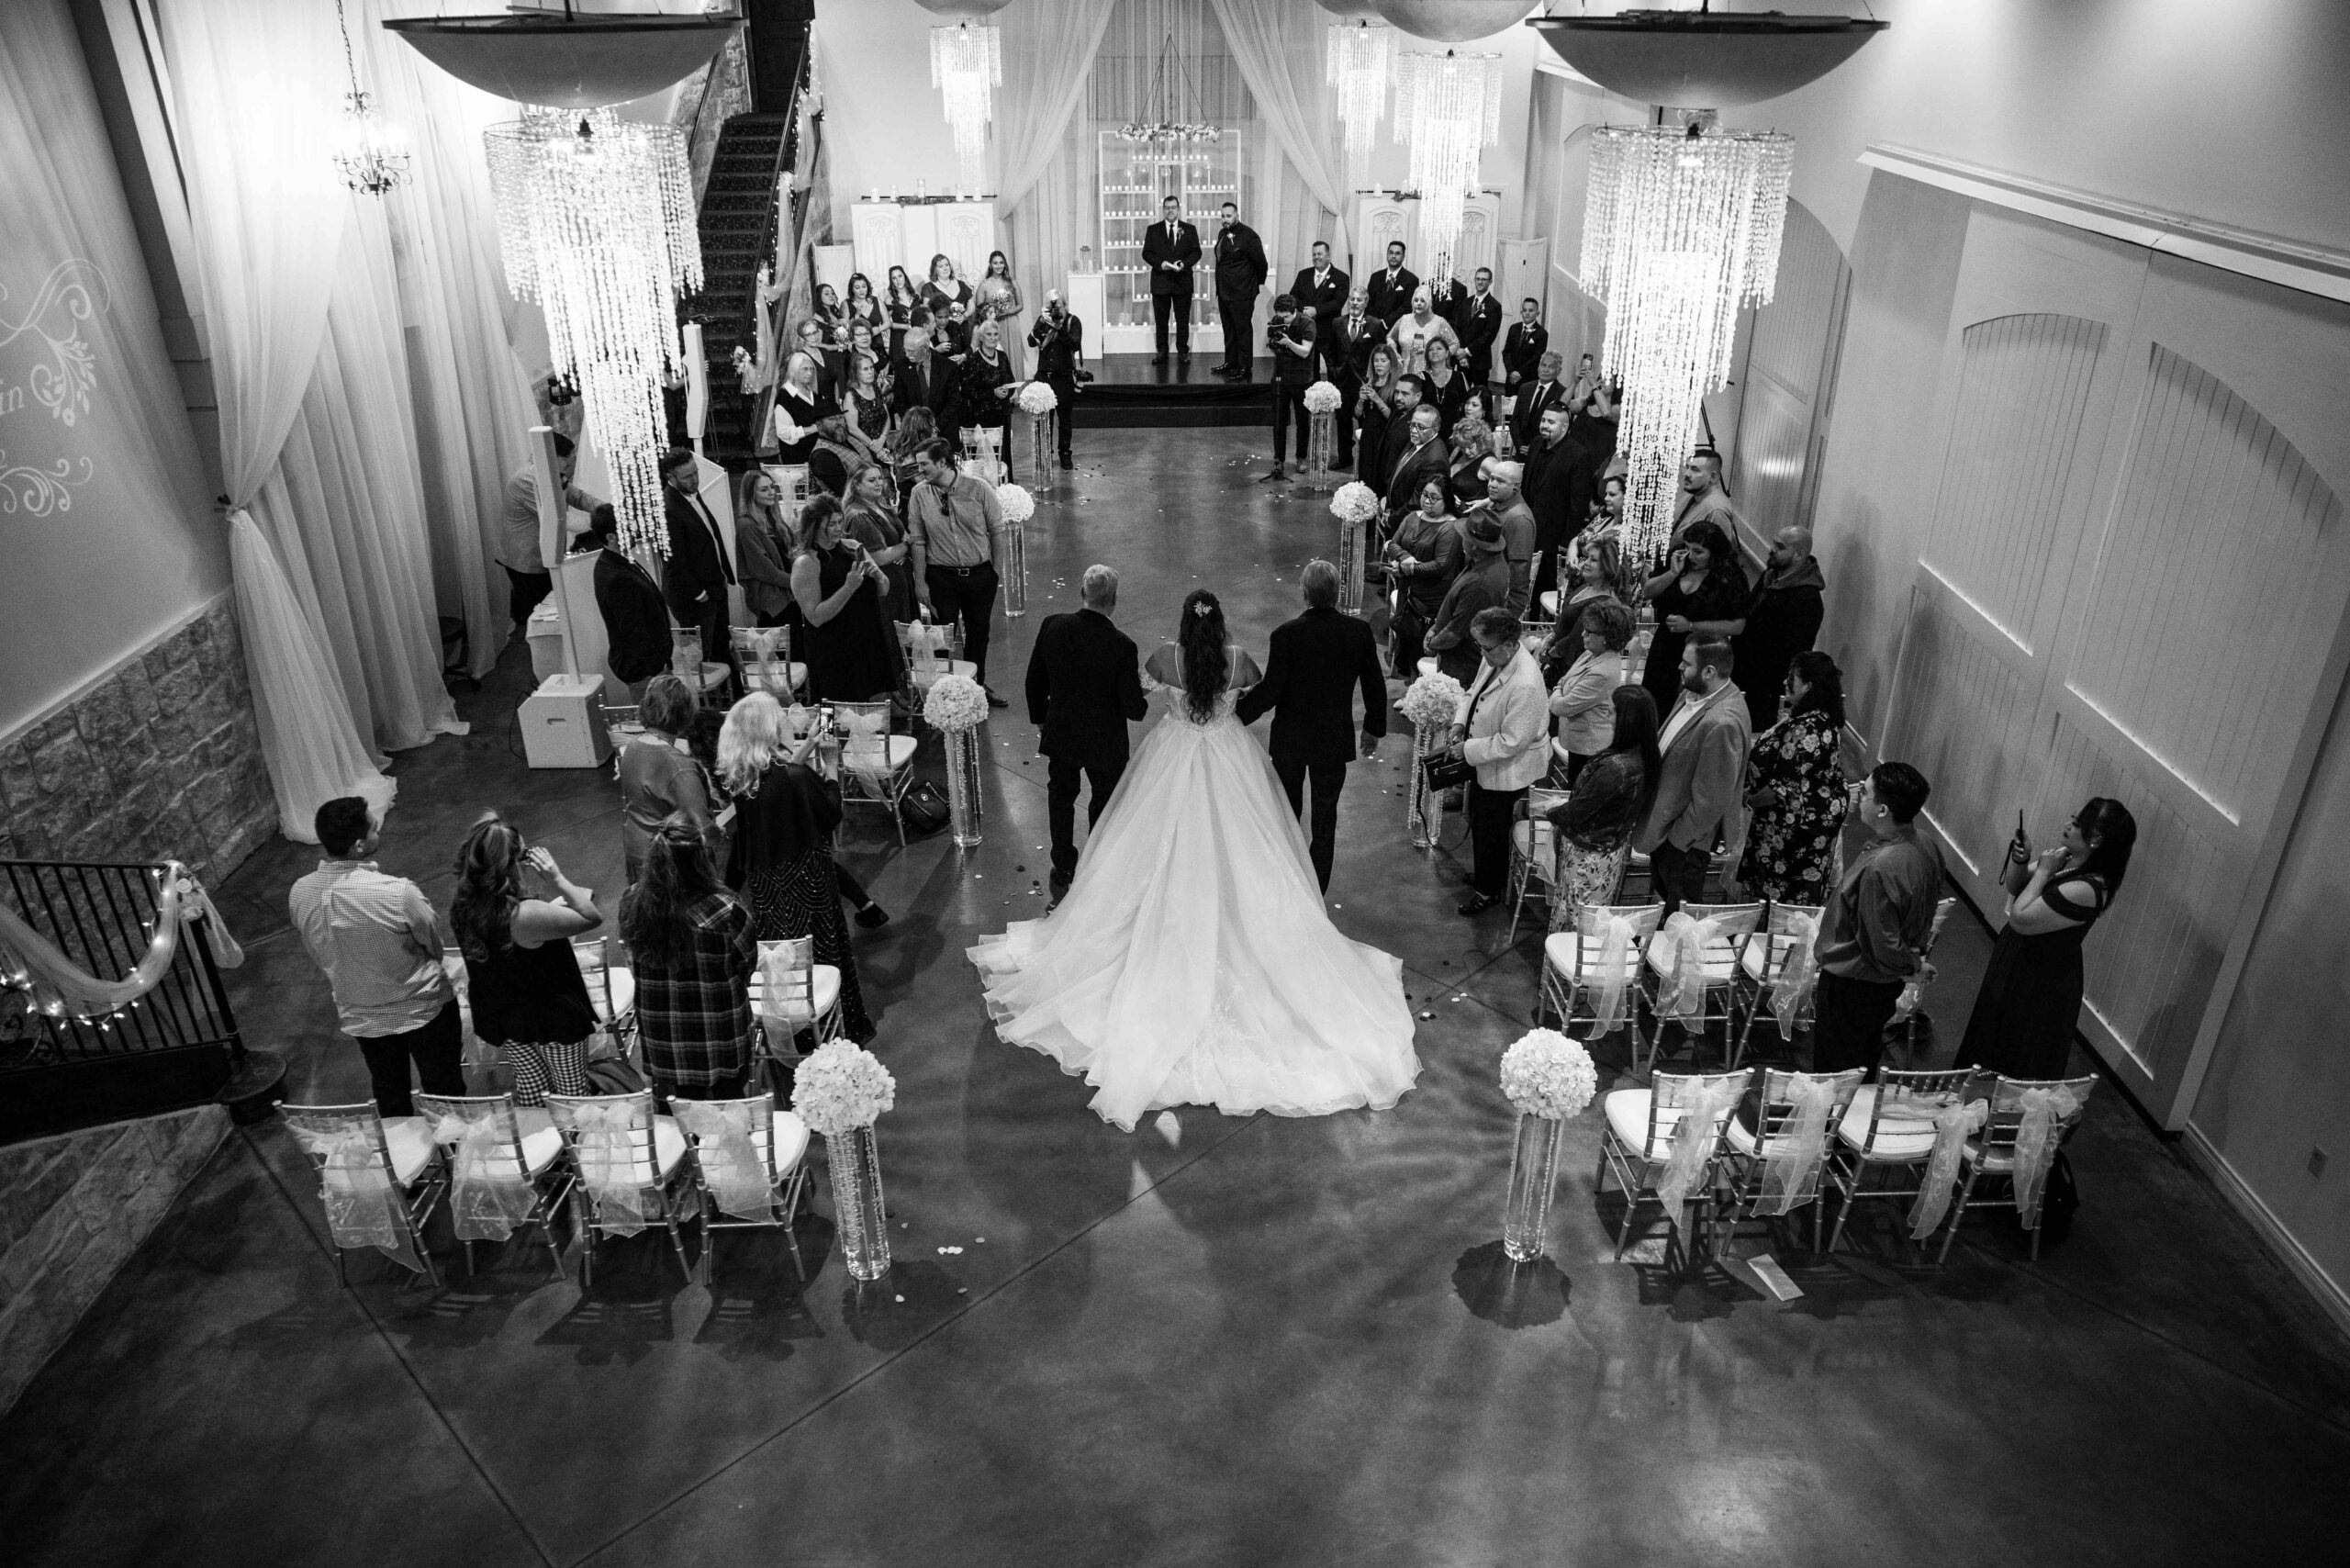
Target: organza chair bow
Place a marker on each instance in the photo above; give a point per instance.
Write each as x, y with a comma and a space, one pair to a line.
731, 1170
1704, 1104
2045, 1109
765, 653
1798, 974
2027, 1119
488, 1195
1661, 1142
1950, 1124
373, 1196
1776, 1164
865, 743
1620, 938
1792, 1155
608, 1143
1681, 987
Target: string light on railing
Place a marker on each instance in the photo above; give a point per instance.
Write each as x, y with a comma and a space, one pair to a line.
1681, 227
1448, 109
596, 222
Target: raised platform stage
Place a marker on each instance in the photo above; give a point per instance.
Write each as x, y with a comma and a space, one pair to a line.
1128, 390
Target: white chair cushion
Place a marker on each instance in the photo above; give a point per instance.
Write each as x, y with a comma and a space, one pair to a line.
540, 1149
1627, 1119
901, 752
668, 1145
757, 679
1721, 958
622, 985
1532, 841
408, 1140
1550, 603
1559, 952
1898, 1138
1740, 1139
1999, 1162
926, 679
790, 1142
1750, 958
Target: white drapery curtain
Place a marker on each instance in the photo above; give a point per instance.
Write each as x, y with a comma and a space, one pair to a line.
1279, 47
1048, 49
317, 441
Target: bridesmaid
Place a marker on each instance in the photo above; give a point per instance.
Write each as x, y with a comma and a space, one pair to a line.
862, 306
949, 298
2025, 1014
999, 301
901, 303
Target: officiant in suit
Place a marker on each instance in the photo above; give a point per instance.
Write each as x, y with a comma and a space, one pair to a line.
1084, 685
698, 573
1171, 249
1313, 668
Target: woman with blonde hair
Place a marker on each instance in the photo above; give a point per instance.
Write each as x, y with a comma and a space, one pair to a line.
1472, 447
998, 300
764, 547
873, 519
781, 863
798, 401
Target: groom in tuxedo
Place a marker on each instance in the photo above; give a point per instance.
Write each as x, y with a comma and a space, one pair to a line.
1312, 670
1084, 684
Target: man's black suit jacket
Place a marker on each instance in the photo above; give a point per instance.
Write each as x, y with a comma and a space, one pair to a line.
1390, 301
1405, 474
1240, 264
1182, 245
1525, 419
1329, 302
1522, 349
1558, 491
1084, 684
693, 569
1479, 324
928, 386
636, 617
1313, 668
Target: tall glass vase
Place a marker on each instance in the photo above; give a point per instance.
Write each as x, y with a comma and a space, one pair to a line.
963, 786
1040, 450
1321, 449
1533, 1178
858, 1213
1350, 563
1015, 570
1423, 807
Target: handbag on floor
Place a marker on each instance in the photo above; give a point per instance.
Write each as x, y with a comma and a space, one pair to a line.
923, 809
615, 1075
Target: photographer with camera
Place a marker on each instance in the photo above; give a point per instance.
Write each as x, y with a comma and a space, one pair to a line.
1290, 336
1058, 339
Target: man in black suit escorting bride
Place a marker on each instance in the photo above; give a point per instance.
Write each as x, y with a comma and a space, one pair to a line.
1084, 684
1312, 670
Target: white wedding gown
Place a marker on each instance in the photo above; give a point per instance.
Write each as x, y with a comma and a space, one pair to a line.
1192, 961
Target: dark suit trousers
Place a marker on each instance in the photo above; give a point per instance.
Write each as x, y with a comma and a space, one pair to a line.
436, 1047
969, 592
1289, 408
1848, 1019
1177, 305
1235, 315
531, 589
1064, 413
1328, 777
1491, 813
1678, 875
1101, 774
1348, 387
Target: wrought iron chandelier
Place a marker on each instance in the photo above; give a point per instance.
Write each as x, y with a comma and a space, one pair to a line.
596, 222
966, 66
1448, 109
370, 152
1681, 227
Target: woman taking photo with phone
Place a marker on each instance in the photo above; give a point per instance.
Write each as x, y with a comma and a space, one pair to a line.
2025, 1014
849, 644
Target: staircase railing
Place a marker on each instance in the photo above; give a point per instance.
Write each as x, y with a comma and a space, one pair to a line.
791, 236
722, 91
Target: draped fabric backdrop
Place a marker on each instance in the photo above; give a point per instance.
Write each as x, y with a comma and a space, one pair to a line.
1048, 49
1279, 48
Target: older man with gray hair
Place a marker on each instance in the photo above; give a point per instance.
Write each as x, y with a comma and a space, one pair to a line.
1084, 686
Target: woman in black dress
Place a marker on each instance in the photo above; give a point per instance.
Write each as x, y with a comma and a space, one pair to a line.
850, 646
1448, 385
1612, 794
781, 863
1422, 559
2025, 1014
528, 998
1701, 589
1375, 411
861, 305
1794, 787
902, 302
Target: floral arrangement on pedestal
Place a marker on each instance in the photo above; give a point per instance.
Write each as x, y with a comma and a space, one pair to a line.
1322, 398
1018, 505
840, 1091
957, 707
1431, 700
1429, 703
1548, 1078
955, 702
1037, 398
1354, 502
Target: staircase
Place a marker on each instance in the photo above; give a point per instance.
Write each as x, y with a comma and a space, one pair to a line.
737, 230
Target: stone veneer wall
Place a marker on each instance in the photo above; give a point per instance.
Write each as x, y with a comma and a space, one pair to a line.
72, 1209
162, 759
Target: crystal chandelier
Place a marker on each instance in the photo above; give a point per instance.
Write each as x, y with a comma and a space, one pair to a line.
369, 151
1361, 57
1449, 107
966, 66
1681, 228
596, 222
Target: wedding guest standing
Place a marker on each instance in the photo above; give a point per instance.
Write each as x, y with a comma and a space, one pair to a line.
658, 775
798, 399
699, 568
1321, 292
2029, 1005
1171, 249
873, 522
1591, 412
1703, 748
1595, 573
1414, 455
1781, 619
1084, 686
1794, 787
1537, 395
763, 546
1484, 585
379, 942
850, 646
862, 309
1240, 269
1448, 387
1499, 729
636, 617
1877, 924
1356, 341
1523, 348
997, 299
1374, 414
691, 944
1703, 499
1419, 327
1480, 323
1472, 451
781, 862
984, 385
865, 407
1612, 794
954, 522
1505, 484
1388, 292
1421, 559
528, 997
1699, 593
924, 381
1584, 700
902, 304
528, 575
1557, 490
948, 298
1058, 338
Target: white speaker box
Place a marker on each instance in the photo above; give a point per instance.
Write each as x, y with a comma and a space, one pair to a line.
562, 723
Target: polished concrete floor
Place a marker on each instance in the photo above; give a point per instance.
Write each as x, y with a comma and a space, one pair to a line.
1217, 1342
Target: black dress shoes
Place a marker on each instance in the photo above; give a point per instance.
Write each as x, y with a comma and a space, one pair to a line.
1159, 359
1477, 903
993, 701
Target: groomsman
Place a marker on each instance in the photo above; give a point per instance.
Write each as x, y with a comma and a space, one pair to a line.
1392, 290
1450, 300
1321, 291
1240, 269
1478, 323
1522, 350
1536, 396
1171, 249
1353, 335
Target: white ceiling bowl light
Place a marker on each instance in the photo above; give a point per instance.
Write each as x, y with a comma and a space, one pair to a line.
568, 60
1451, 21
1703, 59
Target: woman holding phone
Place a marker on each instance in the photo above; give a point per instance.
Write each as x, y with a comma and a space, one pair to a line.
849, 642
2029, 1005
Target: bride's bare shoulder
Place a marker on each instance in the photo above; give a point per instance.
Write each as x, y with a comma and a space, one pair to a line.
1166, 665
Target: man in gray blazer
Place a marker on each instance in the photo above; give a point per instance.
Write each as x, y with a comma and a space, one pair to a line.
1704, 744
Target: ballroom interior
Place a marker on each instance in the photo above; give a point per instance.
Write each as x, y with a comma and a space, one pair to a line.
2034, 326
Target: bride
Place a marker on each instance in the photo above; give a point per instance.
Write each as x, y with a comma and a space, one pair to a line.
1192, 962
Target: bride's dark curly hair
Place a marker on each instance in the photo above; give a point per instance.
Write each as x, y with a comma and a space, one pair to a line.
1206, 668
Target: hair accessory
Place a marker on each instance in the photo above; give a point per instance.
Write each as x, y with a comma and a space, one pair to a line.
1201, 608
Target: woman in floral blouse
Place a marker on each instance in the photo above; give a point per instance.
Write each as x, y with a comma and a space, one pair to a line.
1794, 787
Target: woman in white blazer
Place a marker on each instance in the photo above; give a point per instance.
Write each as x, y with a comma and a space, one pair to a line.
1501, 729
1581, 702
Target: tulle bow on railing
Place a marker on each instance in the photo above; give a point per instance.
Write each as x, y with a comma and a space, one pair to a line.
1798, 974
1702, 1110
2044, 1111
57, 982
488, 1195
1617, 935
1681, 999
1792, 1155
730, 1166
361, 1197
610, 1165
1952, 1125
